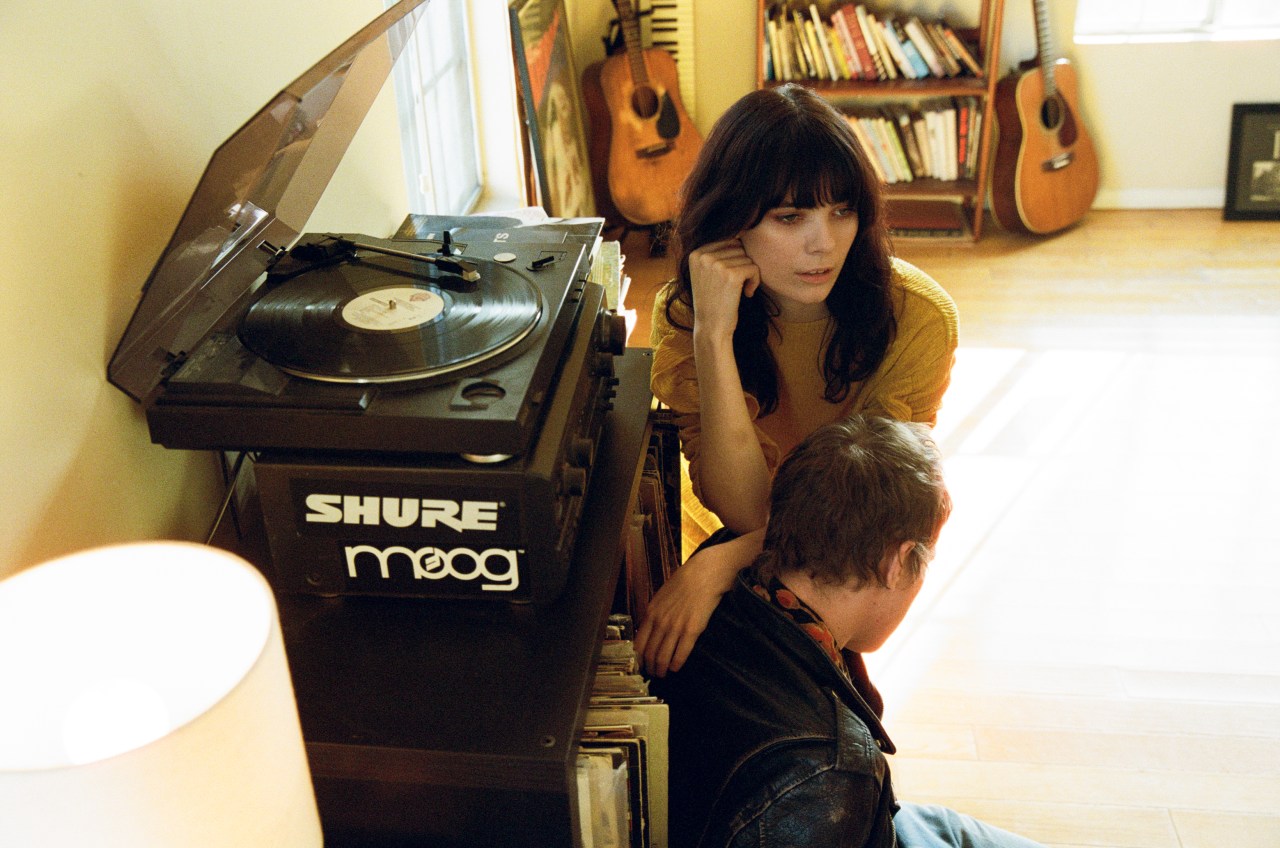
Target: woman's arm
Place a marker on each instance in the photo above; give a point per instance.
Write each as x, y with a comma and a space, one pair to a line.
681, 608
733, 477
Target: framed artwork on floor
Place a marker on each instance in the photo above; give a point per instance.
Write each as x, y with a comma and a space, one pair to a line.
1253, 164
552, 107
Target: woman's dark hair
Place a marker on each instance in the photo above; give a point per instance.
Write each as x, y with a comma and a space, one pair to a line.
787, 146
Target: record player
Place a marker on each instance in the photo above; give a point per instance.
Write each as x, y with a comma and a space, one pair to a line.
440, 392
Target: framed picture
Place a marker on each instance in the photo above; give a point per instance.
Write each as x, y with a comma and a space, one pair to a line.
1253, 165
552, 107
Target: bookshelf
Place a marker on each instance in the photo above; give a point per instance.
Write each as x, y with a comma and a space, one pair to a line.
915, 204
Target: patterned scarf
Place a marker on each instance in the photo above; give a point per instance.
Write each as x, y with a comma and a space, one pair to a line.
783, 599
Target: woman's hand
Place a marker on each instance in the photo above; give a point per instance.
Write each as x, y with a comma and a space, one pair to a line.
679, 611
721, 274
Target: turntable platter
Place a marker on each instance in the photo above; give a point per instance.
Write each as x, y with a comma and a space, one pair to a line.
382, 320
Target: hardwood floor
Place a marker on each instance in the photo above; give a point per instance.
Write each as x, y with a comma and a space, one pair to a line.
1095, 658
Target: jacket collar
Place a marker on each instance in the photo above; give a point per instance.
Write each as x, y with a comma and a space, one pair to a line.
851, 684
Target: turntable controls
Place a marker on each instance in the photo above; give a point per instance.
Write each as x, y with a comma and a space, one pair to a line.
613, 333
602, 364
581, 451
573, 481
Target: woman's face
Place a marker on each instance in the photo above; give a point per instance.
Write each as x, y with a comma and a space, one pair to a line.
799, 253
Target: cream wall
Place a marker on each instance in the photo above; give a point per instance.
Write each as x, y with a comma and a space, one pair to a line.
111, 114
1160, 114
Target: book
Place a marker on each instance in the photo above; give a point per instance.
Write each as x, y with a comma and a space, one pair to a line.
908, 47
920, 130
902, 118
975, 136
963, 53
809, 67
854, 26
925, 218
854, 61
837, 53
934, 30
817, 65
868, 148
895, 144
877, 33
777, 71
873, 47
914, 32
820, 36
878, 147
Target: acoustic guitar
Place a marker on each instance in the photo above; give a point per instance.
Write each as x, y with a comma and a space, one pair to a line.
652, 143
1046, 171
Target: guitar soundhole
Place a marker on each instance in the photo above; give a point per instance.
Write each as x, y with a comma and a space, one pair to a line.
1056, 117
1051, 113
644, 101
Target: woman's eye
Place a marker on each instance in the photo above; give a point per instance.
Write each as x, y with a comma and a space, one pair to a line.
787, 217
846, 211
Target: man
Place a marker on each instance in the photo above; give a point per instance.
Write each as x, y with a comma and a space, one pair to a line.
775, 727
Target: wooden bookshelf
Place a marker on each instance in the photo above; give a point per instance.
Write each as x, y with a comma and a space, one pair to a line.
907, 198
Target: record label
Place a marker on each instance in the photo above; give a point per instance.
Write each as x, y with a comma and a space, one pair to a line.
392, 309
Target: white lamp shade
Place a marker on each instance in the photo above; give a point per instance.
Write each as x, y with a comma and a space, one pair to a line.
145, 700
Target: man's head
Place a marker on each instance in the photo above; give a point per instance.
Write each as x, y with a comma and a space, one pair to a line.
850, 497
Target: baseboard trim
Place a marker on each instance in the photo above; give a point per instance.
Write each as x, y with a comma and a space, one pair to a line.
1189, 198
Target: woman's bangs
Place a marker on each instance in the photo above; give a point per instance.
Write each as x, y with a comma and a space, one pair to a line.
816, 174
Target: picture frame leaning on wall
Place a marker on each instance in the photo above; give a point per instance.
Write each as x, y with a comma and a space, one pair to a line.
551, 107
1253, 163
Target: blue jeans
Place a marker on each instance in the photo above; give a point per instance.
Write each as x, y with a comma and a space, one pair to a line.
931, 826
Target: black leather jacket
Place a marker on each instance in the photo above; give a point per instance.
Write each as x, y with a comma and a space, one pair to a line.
770, 744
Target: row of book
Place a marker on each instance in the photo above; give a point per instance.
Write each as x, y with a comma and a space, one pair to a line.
936, 138
622, 755
852, 43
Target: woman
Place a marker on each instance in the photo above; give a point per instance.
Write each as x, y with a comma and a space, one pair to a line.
788, 312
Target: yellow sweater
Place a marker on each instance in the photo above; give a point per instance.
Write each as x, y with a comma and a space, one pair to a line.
908, 385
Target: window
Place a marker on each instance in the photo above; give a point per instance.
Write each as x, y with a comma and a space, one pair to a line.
434, 97
1108, 20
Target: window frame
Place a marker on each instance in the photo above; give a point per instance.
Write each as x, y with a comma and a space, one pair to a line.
1210, 26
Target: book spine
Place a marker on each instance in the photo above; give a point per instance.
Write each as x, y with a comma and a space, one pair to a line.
912, 52
897, 51
894, 143
873, 47
837, 52
902, 119
877, 33
847, 44
920, 128
950, 61
916, 36
975, 139
951, 138
808, 67
777, 72
868, 149
962, 52
820, 35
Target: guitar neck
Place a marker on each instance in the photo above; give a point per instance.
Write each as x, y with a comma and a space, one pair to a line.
631, 36
1044, 46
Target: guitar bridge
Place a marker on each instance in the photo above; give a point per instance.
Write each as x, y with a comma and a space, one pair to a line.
1057, 163
653, 151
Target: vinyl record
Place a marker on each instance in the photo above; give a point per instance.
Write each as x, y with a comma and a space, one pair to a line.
380, 321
